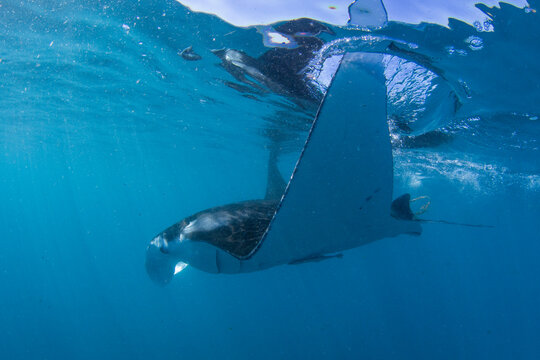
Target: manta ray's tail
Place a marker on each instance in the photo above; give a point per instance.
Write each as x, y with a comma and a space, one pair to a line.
455, 223
401, 209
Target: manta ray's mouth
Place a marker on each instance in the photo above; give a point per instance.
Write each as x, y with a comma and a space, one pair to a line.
160, 266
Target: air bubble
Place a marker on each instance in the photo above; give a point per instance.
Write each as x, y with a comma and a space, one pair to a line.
475, 43
450, 50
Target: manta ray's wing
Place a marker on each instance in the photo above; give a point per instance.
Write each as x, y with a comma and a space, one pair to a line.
340, 194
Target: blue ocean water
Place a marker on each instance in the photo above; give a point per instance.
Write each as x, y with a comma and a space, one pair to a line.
108, 136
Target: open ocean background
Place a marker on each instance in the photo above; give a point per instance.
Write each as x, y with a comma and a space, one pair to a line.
108, 136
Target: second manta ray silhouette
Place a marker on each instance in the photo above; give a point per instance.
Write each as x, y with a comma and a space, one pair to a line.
280, 69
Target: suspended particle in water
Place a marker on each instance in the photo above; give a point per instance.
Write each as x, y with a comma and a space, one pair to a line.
465, 88
332, 7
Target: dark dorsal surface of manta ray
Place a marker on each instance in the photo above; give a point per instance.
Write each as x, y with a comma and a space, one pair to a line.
235, 228
339, 196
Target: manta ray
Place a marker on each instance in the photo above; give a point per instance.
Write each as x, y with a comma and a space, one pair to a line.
339, 196
281, 69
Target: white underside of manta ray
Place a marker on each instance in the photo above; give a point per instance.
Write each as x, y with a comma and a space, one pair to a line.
339, 196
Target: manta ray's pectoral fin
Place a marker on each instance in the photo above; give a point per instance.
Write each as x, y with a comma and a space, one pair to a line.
315, 258
275, 186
